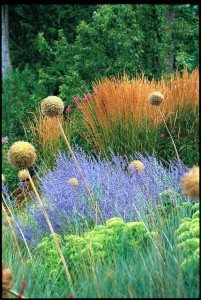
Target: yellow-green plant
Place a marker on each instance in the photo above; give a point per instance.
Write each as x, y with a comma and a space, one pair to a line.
189, 242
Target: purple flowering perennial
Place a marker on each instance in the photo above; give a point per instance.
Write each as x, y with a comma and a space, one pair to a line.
116, 191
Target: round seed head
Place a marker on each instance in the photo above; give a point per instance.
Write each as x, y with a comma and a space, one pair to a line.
73, 181
52, 106
23, 174
137, 165
190, 183
22, 155
155, 98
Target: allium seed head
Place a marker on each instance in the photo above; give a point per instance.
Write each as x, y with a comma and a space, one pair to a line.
190, 183
52, 106
22, 155
23, 174
73, 181
155, 98
137, 165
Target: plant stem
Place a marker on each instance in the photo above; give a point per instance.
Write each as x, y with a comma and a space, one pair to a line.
18, 228
13, 233
177, 155
53, 233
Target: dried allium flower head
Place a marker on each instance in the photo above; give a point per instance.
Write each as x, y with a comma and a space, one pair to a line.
137, 165
52, 106
3, 178
155, 98
23, 174
190, 183
73, 181
7, 277
22, 155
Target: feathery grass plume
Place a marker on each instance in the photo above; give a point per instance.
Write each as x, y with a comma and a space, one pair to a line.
52, 106
46, 134
156, 98
23, 174
3, 178
137, 165
22, 155
73, 181
190, 183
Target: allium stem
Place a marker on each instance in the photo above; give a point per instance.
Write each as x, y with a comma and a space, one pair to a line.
13, 232
18, 228
176, 152
53, 233
79, 170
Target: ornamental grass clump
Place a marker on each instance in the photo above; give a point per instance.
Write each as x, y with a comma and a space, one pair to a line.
190, 183
120, 117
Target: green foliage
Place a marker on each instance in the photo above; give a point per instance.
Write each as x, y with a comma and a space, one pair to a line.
26, 20
185, 132
21, 94
10, 172
189, 242
97, 245
185, 35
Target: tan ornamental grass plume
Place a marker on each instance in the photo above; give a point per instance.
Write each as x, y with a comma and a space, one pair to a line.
73, 181
22, 155
52, 106
137, 165
23, 174
190, 183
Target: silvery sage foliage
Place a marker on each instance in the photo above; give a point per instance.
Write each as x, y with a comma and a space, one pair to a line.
117, 191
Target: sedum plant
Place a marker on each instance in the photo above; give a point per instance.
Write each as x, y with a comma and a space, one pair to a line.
189, 241
97, 245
